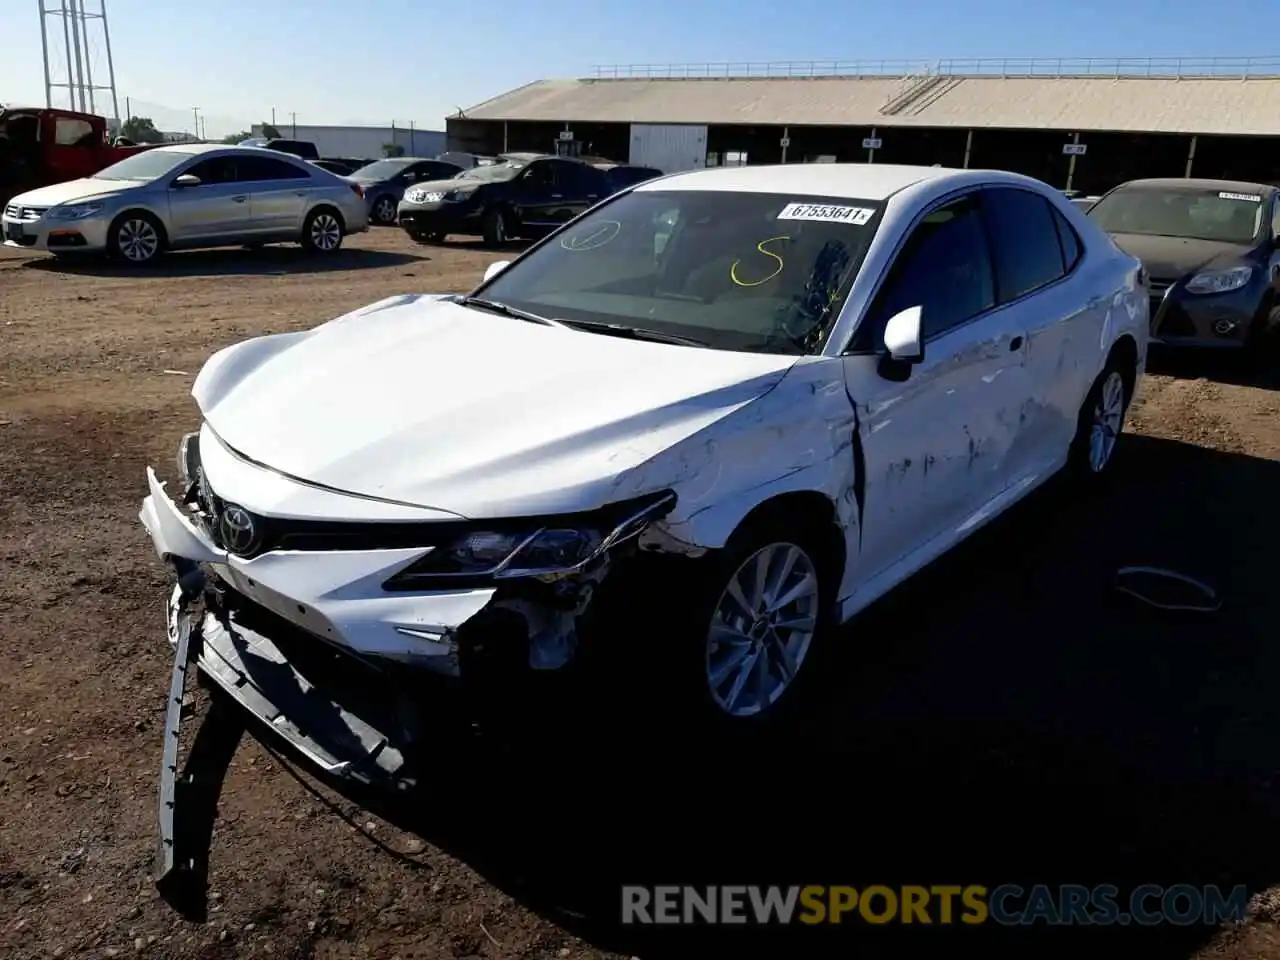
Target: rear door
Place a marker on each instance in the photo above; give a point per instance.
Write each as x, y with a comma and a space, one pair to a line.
218, 207
278, 191
579, 186
1047, 295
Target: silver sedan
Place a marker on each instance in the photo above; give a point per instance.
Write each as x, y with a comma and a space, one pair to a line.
189, 195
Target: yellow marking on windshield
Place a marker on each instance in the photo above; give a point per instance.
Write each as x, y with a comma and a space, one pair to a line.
733, 268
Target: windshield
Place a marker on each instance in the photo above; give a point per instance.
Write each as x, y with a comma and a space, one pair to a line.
148, 165
738, 271
381, 169
1193, 214
493, 171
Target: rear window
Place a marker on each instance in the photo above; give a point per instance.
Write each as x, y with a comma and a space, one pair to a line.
621, 177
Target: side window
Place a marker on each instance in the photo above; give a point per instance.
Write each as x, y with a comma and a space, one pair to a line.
1070, 241
69, 132
215, 170
944, 268
267, 168
579, 179
1024, 238
538, 174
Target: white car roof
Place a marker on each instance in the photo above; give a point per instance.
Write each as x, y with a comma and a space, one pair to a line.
863, 181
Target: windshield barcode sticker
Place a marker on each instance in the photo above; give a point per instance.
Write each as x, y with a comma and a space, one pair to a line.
1251, 197
823, 211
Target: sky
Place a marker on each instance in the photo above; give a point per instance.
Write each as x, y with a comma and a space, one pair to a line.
379, 61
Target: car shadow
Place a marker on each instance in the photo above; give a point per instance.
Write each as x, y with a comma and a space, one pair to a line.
231, 262
478, 245
1221, 366
1007, 717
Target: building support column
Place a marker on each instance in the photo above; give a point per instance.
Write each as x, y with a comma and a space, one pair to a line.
1191, 155
1071, 164
968, 147
871, 151
504, 137
786, 142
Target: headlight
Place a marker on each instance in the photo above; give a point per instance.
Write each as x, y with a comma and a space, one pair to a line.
74, 211
1219, 281
550, 551
189, 457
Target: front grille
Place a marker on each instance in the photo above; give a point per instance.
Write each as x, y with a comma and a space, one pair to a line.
24, 214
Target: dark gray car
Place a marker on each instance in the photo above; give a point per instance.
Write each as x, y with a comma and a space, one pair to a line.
385, 181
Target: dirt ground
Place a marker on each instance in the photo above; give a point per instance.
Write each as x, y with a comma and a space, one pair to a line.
1006, 718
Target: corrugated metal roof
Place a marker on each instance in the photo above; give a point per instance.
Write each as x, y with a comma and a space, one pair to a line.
1222, 105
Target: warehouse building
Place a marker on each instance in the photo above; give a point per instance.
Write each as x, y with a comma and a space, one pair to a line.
1084, 125
371, 142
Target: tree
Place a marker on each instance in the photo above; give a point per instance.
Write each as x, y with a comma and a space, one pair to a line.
392, 150
237, 137
270, 132
140, 130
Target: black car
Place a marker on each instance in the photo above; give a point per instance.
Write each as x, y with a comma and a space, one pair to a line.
1211, 250
303, 149
338, 165
522, 195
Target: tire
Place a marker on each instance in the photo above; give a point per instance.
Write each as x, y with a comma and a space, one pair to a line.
323, 231
384, 211
712, 632
497, 228
136, 238
1101, 422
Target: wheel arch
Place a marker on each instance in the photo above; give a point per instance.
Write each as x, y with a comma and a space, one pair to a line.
136, 209
327, 206
1124, 353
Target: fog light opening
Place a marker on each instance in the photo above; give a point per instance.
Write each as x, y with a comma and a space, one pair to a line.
1225, 328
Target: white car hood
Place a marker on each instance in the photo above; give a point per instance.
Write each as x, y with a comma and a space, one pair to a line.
429, 403
70, 191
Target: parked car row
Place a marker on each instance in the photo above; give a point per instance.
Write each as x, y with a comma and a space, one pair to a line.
522, 195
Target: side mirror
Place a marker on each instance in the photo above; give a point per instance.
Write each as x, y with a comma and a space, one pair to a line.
904, 345
186, 180
902, 336
495, 268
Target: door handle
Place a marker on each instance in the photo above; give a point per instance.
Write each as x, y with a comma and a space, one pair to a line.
239, 199
557, 196
593, 196
301, 193
1015, 344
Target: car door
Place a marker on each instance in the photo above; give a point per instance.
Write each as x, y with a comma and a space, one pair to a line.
533, 192
215, 208
580, 187
279, 192
1061, 309
933, 446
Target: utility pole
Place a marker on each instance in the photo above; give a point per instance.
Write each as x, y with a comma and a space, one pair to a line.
273, 116
195, 116
293, 120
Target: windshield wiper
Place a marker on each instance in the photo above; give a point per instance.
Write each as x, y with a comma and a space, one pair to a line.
493, 306
633, 333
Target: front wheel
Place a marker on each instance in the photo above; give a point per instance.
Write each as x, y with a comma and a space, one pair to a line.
497, 228
322, 232
136, 238
384, 211
1100, 423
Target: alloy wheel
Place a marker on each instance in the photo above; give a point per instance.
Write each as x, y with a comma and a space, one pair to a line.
761, 629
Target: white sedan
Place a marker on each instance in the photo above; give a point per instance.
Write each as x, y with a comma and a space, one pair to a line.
778, 390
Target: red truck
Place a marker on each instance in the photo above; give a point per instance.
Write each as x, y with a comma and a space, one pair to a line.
40, 146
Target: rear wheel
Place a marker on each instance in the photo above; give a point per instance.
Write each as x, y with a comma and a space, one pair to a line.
136, 237
1101, 421
322, 232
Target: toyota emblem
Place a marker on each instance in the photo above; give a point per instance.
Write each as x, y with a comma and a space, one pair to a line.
239, 531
